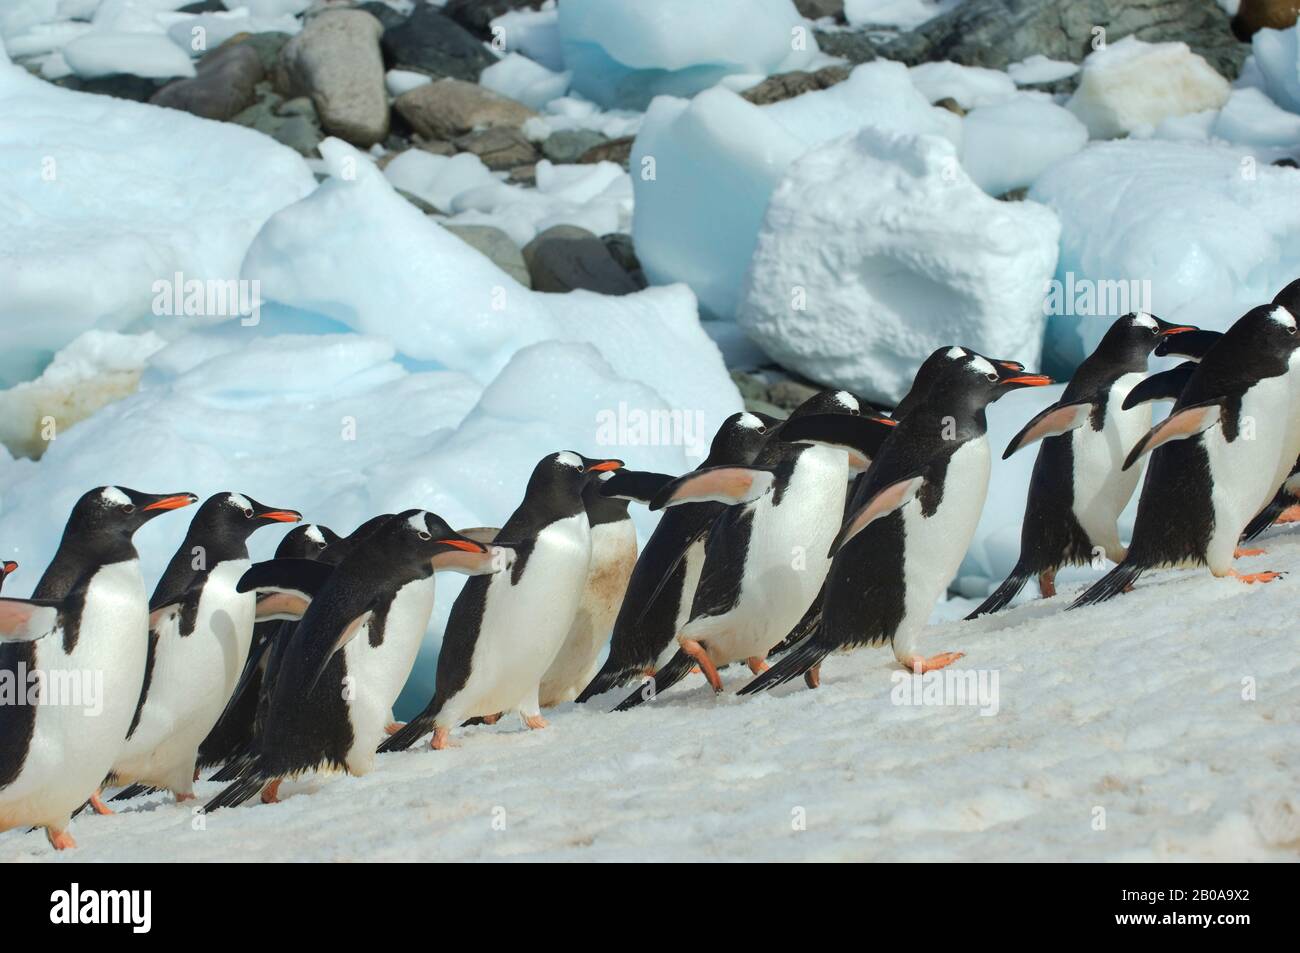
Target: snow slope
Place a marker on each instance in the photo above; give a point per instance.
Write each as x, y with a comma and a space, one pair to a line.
1134, 708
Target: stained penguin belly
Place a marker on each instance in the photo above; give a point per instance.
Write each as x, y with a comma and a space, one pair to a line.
786, 561
613, 554
1101, 487
193, 678
524, 625
934, 545
73, 745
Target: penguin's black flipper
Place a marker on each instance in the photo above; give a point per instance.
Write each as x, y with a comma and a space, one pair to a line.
1004, 593
284, 586
808, 625
1268, 515
26, 620
1166, 385
798, 661
237, 793
1109, 585
234, 768
1183, 423
678, 667
729, 485
411, 732
1053, 421
133, 790
1189, 344
861, 435
639, 486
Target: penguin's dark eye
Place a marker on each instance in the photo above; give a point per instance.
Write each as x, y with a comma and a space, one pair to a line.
321, 545
762, 430
128, 508
580, 468
1290, 329
248, 514
424, 535
992, 378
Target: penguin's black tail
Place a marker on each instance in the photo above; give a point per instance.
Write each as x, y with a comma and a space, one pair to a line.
133, 790
237, 793
1109, 586
678, 667
407, 735
608, 678
1004, 593
798, 661
234, 767
1265, 517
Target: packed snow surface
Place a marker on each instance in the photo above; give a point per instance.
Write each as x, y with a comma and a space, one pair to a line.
1160, 726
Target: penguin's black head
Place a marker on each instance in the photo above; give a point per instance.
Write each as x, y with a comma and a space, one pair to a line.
233, 517
425, 540
831, 402
973, 381
1271, 329
932, 369
567, 472
1289, 297
739, 439
116, 512
307, 541
601, 508
1131, 339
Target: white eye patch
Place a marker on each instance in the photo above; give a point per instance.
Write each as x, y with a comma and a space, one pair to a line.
1145, 320
569, 459
314, 534
956, 353
239, 500
112, 494
981, 366
749, 422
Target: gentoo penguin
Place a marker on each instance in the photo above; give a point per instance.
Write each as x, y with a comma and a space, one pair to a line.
200, 629
231, 736
1220, 455
659, 593
768, 554
912, 519
342, 669
1078, 487
613, 554
506, 629
86, 627
7, 568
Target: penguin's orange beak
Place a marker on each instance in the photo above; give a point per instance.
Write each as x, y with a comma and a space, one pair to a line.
605, 465
1028, 380
10, 566
468, 545
172, 502
1176, 329
281, 516
1010, 365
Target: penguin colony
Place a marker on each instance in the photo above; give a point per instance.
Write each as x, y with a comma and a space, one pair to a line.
837, 527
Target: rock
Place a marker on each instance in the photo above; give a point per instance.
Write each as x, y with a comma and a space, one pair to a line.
438, 147
1015, 195
856, 47
421, 204
622, 250
564, 258
816, 9
568, 145
138, 89
430, 43
225, 85
500, 147
387, 16
477, 15
497, 246
951, 105
292, 123
267, 45
788, 85
1255, 15
448, 108
203, 6
335, 60
524, 175
615, 150
994, 33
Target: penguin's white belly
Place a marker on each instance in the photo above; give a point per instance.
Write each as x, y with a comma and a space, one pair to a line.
1101, 487
694, 563
524, 625
786, 562
613, 554
933, 546
192, 680
93, 690
1246, 473
377, 674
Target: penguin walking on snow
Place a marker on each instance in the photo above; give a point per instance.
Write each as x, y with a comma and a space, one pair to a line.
1079, 487
88, 616
353, 647
505, 630
1219, 457
767, 556
914, 515
200, 629
658, 597
232, 735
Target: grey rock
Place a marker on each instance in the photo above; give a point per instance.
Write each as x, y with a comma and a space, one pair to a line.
477, 15
565, 258
225, 84
853, 46
425, 207
336, 61
994, 33
430, 43
951, 105
387, 16
203, 6
500, 147
789, 393
1015, 195
449, 108
267, 46
138, 89
620, 247
497, 246
524, 175
795, 83
568, 145
615, 150
816, 9
292, 123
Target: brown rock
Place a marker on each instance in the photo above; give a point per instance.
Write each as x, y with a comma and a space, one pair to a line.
615, 150
782, 86
225, 84
1255, 15
500, 147
448, 108
336, 61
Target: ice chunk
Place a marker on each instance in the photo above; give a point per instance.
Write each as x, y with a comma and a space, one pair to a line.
102, 53
1131, 85
207, 31
398, 81
535, 34
438, 179
1008, 145
1277, 57
877, 249
1190, 231
519, 78
625, 52
1250, 118
104, 197
969, 86
902, 14
1039, 69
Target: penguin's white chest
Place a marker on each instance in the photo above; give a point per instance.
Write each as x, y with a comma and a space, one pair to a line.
525, 623
786, 561
193, 677
88, 698
1101, 487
